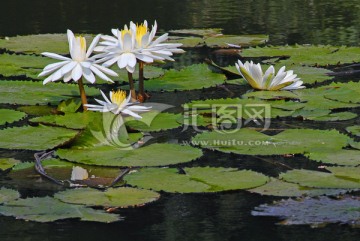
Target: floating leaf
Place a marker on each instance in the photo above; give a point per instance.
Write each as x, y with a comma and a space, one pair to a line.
9, 116
317, 179
69, 120
311, 211
113, 197
153, 155
35, 138
352, 173
196, 179
54, 43
338, 157
280, 188
354, 130
338, 116
6, 163
290, 141
155, 122
36, 110
202, 32
196, 76
69, 105
17, 92
47, 209
22, 65
346, 92
8, 195
309, 55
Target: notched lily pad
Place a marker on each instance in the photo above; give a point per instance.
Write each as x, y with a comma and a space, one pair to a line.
316, 212
69, 120
123, 197
10, 116
290, 141
354, 130
153, 121
7, 163
8, 195
280, 188
196, 76
317, 179
340, 157
196, 179
17, 92
47, 209
35, 138
159, 154
352, 173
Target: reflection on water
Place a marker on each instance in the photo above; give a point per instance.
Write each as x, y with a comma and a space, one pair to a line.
286, 21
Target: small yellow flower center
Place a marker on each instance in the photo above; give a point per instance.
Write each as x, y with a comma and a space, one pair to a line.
118, 97
141, 30
82, 41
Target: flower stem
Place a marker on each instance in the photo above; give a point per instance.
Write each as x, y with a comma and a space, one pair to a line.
141, 79
132, 87
82, 93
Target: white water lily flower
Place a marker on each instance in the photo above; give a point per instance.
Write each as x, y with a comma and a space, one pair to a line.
80, 64
134, 43
283, 80
118, 104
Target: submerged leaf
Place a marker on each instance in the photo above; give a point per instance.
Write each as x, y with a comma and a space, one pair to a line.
6, 163
311, 211
339, 157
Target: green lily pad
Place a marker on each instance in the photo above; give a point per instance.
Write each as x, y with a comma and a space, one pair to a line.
36, 110
17, 92
155, 121
10, 116
317, 179
354, 130
280, 188
22, 65
316, 212
47, 209
290, 141
160, 154
6, 163
69, 105
196, 76
35, 138
123, 197
202, 32
347, 92
69, 120
196, 179
54, 43
339, 157
150, 72
339, 116
352, 173
8, 195
308, 55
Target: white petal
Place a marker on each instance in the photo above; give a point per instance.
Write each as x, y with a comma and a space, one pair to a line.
67, 77
55, 56
68, 67
88, 75
100, 74
129, 112
86, 64
77, 72
105, 70
92, 45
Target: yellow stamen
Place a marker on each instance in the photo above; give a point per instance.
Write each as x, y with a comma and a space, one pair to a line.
125, 31
118, 97
82, 41
141, 30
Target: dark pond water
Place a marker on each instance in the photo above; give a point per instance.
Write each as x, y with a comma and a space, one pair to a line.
213, 217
